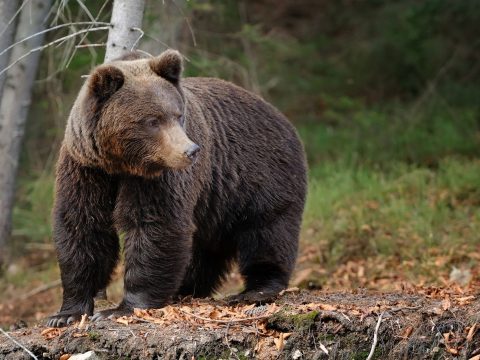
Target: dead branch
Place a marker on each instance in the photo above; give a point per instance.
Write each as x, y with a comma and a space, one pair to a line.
139, 37
54, 28
17, 343
40, 48
375, 337
67, 64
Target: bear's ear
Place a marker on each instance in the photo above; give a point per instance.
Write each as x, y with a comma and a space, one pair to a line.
168, 65
105, 81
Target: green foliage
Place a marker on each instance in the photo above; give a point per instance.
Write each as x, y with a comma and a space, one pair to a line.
383, 93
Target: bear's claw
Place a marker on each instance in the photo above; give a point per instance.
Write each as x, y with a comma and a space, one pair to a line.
63, 319
110, 314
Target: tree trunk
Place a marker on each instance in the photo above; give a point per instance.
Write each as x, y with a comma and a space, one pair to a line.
7, 10
14, 108
127, 16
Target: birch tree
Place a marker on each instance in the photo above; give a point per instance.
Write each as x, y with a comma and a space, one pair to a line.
7, 27
126, 31
14, 106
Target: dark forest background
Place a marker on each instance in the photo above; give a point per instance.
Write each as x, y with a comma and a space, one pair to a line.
385, 95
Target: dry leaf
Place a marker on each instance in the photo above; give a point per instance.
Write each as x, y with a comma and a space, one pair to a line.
51, 333
123, 320
279, 343
471, 332
452, 351
65, 356
446, 304
82, 321
408, 331
327, 307
215, 314
77, 335
465, 300
289, 290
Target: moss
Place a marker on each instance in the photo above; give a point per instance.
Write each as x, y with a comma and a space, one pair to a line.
288, 322
94, 336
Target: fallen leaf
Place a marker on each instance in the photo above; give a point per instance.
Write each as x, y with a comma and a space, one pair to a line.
452, 351
123, 320
279, 342
408, 331
446, 304
65, 356
471, 332
51, 333
289, 290
465, 300
82, 321
78, 335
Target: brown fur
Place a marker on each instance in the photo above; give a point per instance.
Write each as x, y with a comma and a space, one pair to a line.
184, 222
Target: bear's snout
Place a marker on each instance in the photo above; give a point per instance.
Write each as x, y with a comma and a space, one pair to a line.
192, 152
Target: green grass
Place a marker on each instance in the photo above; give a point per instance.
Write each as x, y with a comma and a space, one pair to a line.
410, 213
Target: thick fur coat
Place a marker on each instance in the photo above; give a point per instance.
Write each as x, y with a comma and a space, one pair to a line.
196, 173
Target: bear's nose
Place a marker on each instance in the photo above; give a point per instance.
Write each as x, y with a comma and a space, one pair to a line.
192, 151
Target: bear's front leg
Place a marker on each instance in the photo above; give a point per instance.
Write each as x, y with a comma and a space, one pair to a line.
85, 239
156, 257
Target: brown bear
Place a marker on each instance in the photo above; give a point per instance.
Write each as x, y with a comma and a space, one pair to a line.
196, 173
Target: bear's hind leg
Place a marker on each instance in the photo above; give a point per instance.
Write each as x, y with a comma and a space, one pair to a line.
205, 273
266, 255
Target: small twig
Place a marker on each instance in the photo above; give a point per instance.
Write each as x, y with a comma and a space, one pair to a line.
17, 343
40, 289
139, 37
187, 21
67, 64
84, 8
323, 348
89, 45
225, 321
40, 48
375, 337
146, 53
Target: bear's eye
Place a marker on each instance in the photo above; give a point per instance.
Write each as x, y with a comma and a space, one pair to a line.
152, 121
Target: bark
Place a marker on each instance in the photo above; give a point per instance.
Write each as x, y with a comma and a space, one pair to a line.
127, 16
7, 10
14, 106
305, 325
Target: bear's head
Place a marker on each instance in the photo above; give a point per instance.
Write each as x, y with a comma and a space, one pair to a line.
129, 117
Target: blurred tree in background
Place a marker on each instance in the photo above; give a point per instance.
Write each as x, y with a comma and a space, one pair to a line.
385, 95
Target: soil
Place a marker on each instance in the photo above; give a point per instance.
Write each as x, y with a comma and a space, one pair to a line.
428, 323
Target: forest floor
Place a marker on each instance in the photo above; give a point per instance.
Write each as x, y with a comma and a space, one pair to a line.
409, 321
428, 323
